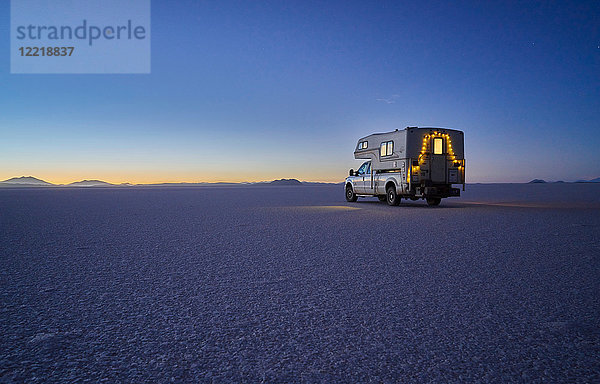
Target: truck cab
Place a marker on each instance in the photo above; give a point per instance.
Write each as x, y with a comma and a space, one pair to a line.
362, 178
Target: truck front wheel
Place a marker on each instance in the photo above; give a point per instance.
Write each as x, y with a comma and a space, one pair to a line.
350, 195
391, 196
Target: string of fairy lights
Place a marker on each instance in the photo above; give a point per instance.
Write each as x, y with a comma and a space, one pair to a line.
427, 139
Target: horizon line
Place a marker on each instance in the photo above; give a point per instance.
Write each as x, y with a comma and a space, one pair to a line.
13, 180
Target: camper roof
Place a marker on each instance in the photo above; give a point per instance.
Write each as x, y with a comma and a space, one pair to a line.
408, 128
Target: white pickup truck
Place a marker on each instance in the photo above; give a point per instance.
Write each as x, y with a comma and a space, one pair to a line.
413, 163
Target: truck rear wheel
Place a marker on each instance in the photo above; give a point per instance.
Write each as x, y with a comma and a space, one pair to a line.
350, 195
391, 196
433, 201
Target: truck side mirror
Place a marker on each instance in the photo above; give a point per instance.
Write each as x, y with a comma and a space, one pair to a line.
351, 172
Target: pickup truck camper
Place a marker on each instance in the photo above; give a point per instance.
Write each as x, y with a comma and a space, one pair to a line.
412, 163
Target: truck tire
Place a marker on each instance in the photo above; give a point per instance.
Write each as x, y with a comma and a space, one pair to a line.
350, 195
433, 201
392, 197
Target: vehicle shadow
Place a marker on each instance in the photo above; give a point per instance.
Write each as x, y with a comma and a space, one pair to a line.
411, 204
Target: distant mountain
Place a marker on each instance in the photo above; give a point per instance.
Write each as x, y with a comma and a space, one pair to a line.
29, 181
90, 183
537, 181
321, 183
285, 182
596, 180
219, 184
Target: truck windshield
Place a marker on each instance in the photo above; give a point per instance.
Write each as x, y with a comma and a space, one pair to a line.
363, 169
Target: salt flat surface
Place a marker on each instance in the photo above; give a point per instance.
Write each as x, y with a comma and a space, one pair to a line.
293, 284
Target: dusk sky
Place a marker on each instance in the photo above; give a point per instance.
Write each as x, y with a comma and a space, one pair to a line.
261, 90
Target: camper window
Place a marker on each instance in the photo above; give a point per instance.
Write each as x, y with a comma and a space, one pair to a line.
386, 149
438, 146
363, 145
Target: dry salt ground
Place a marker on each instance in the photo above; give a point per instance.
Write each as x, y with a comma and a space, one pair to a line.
293, 284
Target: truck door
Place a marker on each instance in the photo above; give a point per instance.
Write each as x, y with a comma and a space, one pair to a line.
368, 181
361, 175
438, 161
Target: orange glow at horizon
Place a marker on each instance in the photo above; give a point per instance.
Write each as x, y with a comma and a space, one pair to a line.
121, 177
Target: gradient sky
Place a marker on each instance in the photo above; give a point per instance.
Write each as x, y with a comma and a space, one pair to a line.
248, 91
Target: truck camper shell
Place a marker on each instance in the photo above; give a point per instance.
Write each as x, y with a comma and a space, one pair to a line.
406, 143
420, 162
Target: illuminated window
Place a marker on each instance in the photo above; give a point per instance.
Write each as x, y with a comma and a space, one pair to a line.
386, 149
438, 146
363, 145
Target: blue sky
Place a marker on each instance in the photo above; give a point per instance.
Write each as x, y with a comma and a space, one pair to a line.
246, 91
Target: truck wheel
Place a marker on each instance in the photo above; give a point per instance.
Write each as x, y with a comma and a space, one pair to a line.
350, 195
391, 196
381, 198
433, 201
